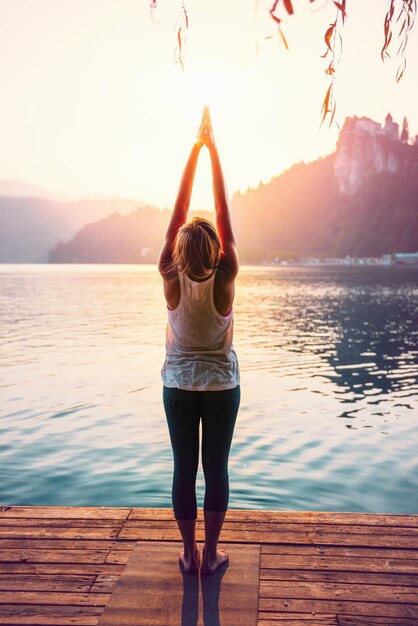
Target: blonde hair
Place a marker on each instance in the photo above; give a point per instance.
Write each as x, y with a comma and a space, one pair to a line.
196, 248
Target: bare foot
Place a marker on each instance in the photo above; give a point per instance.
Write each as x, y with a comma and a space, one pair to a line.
210, 564
191, 563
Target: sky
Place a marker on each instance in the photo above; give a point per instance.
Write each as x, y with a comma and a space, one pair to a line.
93, 102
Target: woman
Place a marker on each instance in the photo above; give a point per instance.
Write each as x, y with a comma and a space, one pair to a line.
198, 264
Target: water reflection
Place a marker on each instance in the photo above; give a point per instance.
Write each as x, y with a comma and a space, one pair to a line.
361, 322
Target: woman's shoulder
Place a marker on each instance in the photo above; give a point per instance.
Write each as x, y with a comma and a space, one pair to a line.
227, 269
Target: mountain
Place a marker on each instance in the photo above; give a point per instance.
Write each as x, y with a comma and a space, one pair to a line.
19, 189
360, 201
30, 226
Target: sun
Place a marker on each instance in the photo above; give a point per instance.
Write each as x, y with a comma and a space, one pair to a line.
208, 86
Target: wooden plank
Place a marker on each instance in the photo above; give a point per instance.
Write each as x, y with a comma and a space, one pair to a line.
66, 544
49, 620
32, 597
61, 532
301, 517
37, 615
56, 556
338, 591
287, 537
276, 561
66, 512
45, 582
104, 584
62, 568
355, 551
305, 619
358, 620
299, 619
19, 523
152, 534
118, 556
269, 527
171, 597
369, 578
339, 607
233, 515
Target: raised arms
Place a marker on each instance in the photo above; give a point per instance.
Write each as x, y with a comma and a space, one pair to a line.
229, 257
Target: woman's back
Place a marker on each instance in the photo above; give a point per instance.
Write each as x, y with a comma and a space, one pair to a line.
199, 351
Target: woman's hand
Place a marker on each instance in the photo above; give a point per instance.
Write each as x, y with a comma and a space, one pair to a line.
205, 134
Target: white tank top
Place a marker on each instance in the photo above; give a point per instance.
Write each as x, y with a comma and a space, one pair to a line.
199, 351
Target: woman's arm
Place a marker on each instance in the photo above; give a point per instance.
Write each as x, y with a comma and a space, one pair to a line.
229, 259
181, 208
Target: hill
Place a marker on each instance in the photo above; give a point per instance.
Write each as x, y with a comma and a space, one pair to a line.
134, 238
30, 226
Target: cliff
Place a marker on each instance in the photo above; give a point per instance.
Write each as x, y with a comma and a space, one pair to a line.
360, 201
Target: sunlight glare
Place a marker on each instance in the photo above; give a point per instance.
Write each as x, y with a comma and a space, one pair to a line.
206, 87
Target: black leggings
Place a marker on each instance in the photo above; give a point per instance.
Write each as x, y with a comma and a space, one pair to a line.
218, 410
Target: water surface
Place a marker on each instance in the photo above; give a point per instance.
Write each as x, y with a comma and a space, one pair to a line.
329, 385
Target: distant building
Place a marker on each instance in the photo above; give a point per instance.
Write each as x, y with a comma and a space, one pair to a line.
406, 258
391, 128
365, 148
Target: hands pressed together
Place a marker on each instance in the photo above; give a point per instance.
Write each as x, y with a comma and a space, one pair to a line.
205, 134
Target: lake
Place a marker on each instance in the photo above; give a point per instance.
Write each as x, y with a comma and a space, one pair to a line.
329, 388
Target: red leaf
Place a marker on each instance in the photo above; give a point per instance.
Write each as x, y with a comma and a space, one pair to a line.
325, 109
179, 39
180, 46
327, 39
276, 19
341, 7
288, 6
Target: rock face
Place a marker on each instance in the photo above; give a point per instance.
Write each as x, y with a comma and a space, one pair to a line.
365, 148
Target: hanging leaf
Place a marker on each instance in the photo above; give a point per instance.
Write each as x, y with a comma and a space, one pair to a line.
341, 7
387, 29
401, 70
333, 114
180, 60
407, 10
276, 19
328, 34
183, 25
325, 105
288, 6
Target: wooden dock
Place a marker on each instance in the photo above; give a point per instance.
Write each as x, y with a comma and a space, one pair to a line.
59, 565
